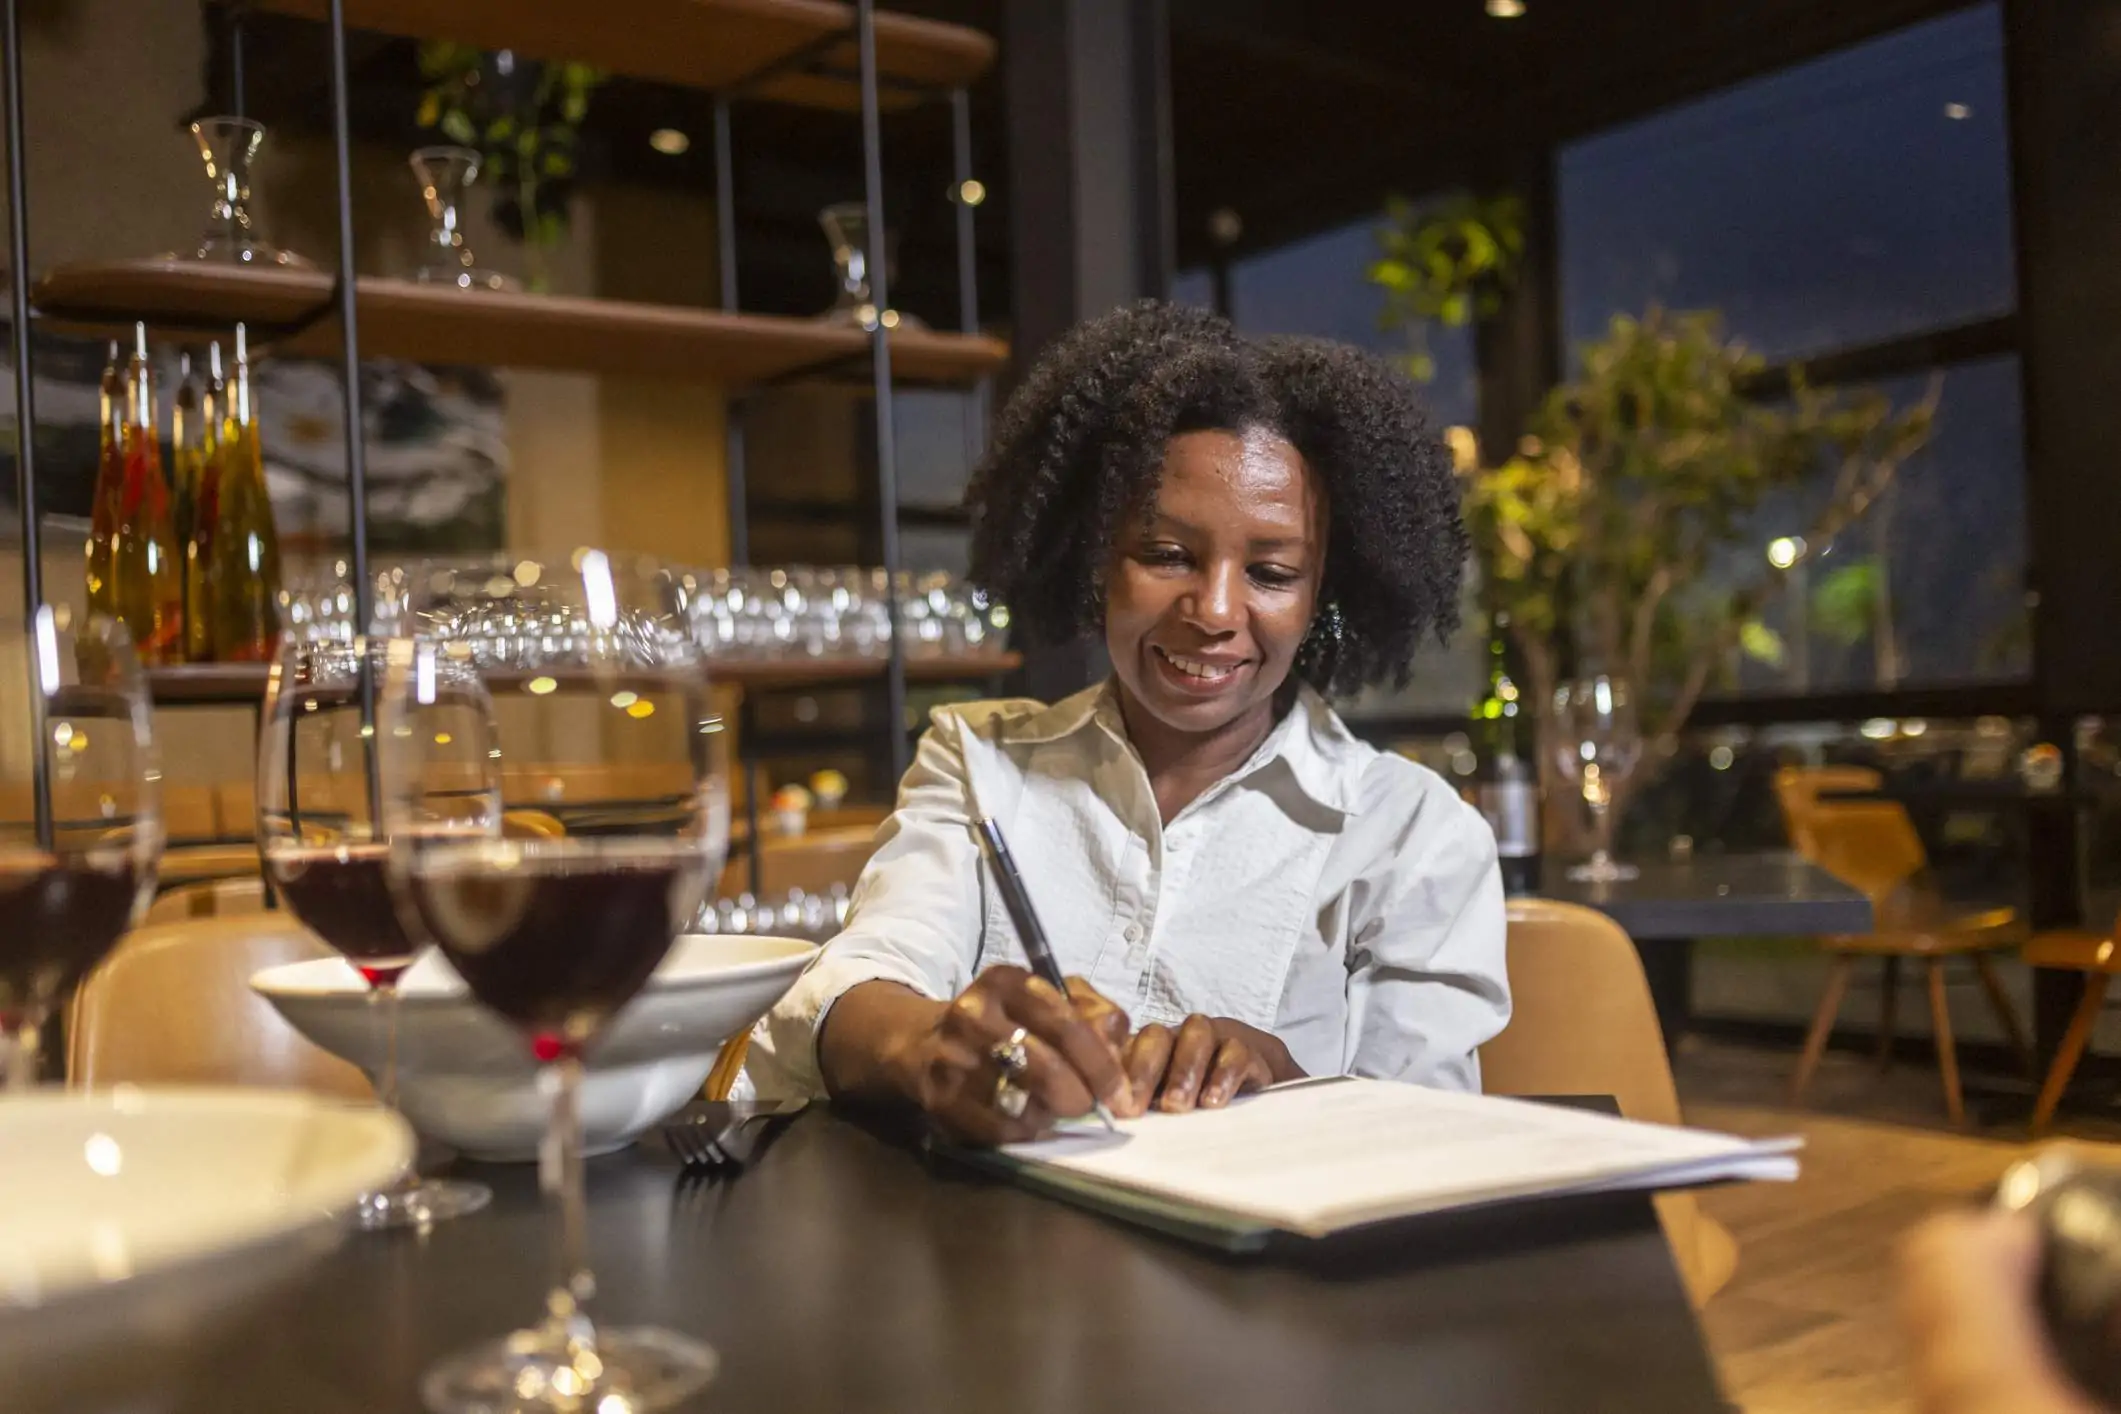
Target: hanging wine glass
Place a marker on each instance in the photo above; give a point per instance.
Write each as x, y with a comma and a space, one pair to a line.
70, 685
589, 665
228, 146
444, 174
1597, 745
846, 226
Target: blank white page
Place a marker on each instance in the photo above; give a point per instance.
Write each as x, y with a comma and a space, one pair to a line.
1314, 1158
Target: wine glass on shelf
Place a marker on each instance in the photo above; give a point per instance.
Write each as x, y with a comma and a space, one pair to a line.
594, 680
1597, 745
327, 857
228, 145
73, 707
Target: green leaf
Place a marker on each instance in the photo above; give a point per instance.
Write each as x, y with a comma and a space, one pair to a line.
456, 124
1760, 643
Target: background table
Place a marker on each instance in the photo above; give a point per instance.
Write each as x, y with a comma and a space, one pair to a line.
849, 1272
1713, 896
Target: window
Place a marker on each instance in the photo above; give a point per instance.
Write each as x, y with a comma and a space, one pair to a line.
1859, 201
1854, 199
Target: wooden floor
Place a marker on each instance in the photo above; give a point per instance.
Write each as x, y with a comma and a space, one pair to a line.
1809, 1322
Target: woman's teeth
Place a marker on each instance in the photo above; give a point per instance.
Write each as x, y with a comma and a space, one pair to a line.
1195, 668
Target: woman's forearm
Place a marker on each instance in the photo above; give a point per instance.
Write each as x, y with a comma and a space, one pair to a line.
863, 1046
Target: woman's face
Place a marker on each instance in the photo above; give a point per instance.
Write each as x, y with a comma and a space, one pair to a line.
1207, 602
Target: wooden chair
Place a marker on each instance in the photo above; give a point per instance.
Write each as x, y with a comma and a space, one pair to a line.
813, 862
172, 1005
199, 863
212, 898
1582, 1023
1797, 791
1872, 846
2095, 955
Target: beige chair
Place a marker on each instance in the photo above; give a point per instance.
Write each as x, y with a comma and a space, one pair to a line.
172, 1005
1872, 846
213, 898
1582, 1023
812, 862
1797, 791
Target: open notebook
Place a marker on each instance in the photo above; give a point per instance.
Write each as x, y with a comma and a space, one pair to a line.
1318, 1157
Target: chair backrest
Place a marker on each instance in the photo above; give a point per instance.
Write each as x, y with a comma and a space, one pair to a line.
212, 898
813, 862
1582, 1023
1797, 790
171, 1005
1870, 845
1581, 1018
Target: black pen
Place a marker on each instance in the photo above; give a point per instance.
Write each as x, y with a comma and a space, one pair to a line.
1017, 899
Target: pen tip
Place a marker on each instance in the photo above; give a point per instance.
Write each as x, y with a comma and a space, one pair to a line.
1104, 1112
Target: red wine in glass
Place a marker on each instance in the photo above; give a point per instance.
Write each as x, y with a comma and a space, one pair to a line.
342, 894
58, 918
556, 936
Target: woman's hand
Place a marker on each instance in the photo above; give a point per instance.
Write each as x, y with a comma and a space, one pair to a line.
1967, 1287
948, 1065
1206, 1063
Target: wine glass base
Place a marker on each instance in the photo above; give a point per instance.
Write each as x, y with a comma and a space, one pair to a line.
423, 1204
637, 1369
1602, 871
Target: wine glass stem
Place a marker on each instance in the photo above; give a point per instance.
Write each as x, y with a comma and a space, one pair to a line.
564, 1153
28, 1050
1601, 826
385, 996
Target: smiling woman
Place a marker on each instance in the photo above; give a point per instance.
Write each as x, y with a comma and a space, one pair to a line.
1245, 892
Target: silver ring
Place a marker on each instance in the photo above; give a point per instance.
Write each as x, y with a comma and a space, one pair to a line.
1014, 1054
1010, 1098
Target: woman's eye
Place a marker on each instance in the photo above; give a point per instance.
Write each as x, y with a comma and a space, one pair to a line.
1162, 555
1276, 576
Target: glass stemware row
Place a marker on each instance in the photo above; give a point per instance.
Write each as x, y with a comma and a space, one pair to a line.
788, 612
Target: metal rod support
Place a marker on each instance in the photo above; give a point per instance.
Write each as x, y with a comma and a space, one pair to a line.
364, 588
25, 417
880, 344
733, 407
235, 58
967, 255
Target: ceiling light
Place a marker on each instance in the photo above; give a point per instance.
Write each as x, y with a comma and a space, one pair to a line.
1506, 9
669, 141
1957, 111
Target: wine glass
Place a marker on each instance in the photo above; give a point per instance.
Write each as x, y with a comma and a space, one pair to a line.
1597, 745
73, 709
228, 146
445, 174
327, 858
596, 685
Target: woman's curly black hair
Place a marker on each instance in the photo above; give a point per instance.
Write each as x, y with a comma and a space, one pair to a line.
1080, 448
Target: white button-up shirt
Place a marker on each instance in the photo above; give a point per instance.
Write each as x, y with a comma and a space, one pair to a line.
1340, 897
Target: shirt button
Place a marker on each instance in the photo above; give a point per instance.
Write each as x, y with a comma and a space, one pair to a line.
1133, 933
1171, 845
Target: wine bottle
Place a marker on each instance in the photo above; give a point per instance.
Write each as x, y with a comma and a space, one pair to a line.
1509, 791
191, 448
243, 570
204, 447
110, 481
145, 588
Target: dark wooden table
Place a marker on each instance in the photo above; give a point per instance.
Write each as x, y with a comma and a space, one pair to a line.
847, 1271
1713, 896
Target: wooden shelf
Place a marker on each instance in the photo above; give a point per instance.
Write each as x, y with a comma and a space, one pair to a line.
243, 684
789, 45
439, 324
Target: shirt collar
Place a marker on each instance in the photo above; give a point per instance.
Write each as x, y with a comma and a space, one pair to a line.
1311, 742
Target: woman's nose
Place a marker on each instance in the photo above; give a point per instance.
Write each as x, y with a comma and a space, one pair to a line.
1217, 601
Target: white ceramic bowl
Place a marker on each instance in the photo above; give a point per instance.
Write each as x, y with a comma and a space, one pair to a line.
465, 1077
134, 1223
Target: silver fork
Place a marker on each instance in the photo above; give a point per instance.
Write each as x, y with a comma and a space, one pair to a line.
727, 1147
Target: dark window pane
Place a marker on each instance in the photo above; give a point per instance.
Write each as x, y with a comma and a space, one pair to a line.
1928, 590
1845, 201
